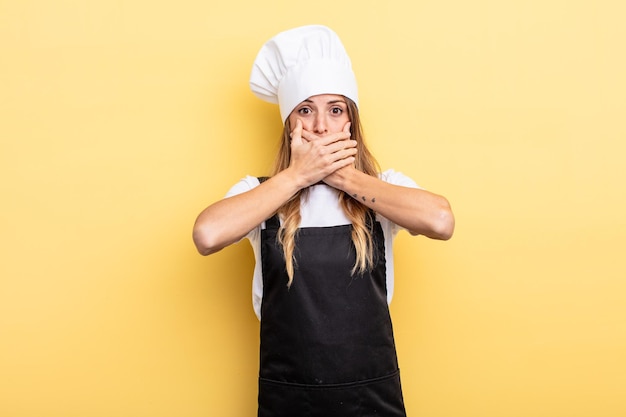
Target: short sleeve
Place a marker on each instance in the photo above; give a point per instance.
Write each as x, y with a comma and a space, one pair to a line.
244, 185
390, 229
396, 178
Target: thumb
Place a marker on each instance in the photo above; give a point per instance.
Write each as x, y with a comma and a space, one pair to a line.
346, 128
296, 133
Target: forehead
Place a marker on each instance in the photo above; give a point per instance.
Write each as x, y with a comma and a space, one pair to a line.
325, 98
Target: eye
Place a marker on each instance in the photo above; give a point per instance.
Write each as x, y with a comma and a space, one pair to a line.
304, 111
336, 111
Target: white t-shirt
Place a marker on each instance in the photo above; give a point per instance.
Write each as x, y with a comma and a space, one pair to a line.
321, 209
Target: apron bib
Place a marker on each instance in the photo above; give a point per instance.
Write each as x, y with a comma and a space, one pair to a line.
327, 346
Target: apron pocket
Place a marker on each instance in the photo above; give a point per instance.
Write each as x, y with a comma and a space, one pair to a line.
381, 397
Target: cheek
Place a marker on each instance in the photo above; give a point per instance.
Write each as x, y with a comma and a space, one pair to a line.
292, 120
339, 123
307, 124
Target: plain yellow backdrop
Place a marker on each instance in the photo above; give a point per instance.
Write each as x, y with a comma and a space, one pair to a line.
121, 120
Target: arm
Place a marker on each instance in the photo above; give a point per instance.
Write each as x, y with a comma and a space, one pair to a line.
229, 220
418, 211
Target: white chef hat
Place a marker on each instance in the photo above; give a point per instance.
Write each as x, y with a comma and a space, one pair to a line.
299, 63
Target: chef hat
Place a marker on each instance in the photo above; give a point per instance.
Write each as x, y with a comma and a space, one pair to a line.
299, 63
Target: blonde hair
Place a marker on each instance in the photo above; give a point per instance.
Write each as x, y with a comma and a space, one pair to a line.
356, 212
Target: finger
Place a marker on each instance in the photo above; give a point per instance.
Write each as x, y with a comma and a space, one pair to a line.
346, 128
326, 139
310, 136
342, 145
346, 153
342, 163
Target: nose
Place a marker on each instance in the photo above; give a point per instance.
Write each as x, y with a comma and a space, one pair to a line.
320, 125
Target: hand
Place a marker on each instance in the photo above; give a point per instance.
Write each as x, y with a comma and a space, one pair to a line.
313, 157
337, 178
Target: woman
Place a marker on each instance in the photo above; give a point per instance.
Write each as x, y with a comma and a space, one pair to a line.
321, 228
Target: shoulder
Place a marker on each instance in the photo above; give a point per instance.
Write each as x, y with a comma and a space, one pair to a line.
245, 184
397, 178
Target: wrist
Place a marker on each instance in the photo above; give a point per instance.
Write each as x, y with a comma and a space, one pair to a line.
344, 179
294, 181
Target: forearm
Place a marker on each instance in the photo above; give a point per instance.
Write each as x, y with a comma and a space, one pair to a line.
227, 221
418, 211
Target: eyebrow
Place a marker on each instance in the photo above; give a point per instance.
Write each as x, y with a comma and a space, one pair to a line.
329, 102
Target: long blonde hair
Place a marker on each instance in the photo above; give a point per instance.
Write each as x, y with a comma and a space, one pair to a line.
356, 212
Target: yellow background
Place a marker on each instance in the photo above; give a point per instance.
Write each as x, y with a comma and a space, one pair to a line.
121, 120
